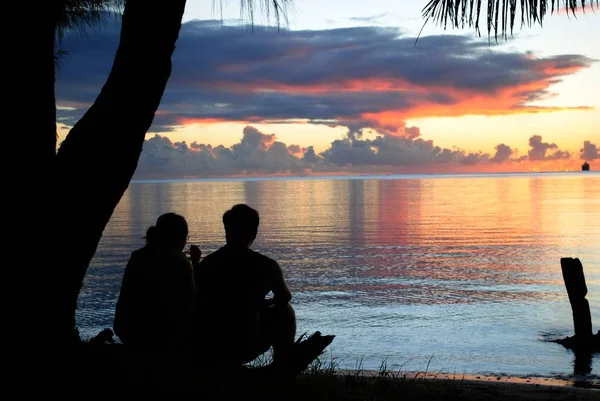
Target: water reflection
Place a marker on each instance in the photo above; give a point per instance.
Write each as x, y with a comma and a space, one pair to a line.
466, 268
582, 364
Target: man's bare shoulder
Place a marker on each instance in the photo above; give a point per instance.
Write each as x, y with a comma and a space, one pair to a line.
214, 255
264, 260
225, 256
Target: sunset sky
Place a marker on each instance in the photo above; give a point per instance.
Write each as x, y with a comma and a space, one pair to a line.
342, 88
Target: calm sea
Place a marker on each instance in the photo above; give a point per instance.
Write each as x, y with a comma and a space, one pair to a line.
456, 273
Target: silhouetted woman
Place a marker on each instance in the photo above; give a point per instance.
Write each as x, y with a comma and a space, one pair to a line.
157, 292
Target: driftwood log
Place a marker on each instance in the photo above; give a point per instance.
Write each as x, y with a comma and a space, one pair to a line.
584, 340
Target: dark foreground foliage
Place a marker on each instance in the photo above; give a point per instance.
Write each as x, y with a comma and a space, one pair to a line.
108, 370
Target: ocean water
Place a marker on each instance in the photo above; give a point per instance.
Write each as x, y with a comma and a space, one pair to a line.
449, 273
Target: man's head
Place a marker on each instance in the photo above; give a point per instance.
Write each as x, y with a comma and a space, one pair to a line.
241, 225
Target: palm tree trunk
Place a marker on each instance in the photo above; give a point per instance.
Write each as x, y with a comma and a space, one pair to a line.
30, 147
29, 142
99, 156
29, 112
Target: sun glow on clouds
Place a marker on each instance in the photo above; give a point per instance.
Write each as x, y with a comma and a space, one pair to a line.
259, 154
228, 133
313, 88
567, 128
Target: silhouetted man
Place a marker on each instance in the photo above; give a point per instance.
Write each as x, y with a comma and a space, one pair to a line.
234, 320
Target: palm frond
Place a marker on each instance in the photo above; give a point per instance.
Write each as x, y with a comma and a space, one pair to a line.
501, 14
83, 14
86, 14
276, 9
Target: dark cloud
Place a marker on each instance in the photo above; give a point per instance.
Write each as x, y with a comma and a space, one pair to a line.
259, 153
310, 156
589, 151
162, 157
255, 153
412, 132
295, 149
559, 154
539, 150
472, 159
367, 76
503, 153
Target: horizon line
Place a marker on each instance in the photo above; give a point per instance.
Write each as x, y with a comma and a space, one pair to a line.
359, 176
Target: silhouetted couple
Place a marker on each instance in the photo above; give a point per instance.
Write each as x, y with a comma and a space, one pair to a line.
216, 310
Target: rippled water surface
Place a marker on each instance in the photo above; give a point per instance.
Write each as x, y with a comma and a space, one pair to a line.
458, 272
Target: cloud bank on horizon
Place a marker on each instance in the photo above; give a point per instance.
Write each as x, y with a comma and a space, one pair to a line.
369, 80
258, 153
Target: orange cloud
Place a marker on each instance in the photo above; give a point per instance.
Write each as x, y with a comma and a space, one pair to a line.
461, 101
330, 76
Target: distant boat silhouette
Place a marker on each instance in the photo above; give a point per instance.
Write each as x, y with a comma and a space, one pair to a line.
585, 167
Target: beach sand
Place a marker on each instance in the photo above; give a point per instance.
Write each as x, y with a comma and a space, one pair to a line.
438, 386
108, 364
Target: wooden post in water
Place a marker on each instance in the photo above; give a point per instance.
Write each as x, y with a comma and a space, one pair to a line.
572, 271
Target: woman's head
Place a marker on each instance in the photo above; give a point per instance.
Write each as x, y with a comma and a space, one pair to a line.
170, 231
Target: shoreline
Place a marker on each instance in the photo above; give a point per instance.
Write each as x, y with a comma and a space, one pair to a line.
489, 387
479, 378
490, 378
